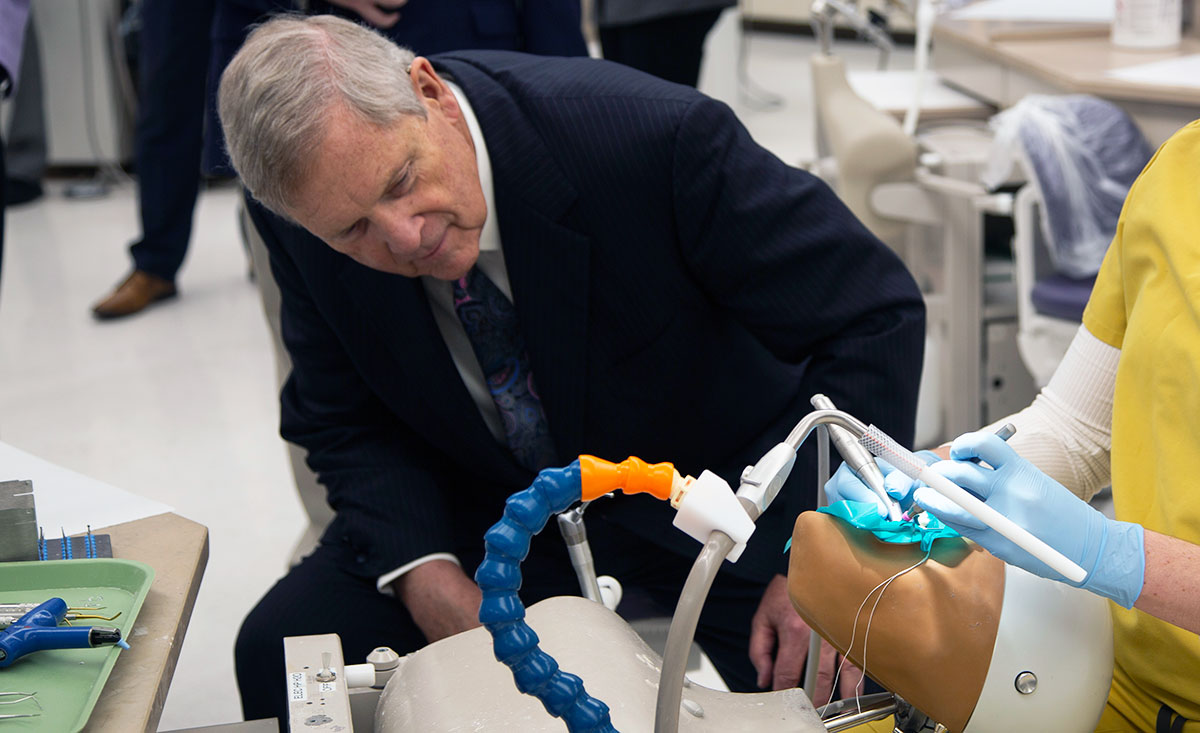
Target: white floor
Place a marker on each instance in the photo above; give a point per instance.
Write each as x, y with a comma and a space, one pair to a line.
179, 403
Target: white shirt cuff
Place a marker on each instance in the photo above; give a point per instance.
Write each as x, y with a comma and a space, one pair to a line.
384, 584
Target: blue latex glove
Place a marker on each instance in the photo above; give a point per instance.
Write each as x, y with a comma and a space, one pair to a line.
1112, 552
845, 485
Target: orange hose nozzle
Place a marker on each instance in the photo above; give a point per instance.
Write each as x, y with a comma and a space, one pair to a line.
632, 475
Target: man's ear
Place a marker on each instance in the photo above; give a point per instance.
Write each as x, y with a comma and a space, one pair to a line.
431, 89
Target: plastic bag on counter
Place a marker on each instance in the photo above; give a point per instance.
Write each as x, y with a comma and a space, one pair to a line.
1083, 154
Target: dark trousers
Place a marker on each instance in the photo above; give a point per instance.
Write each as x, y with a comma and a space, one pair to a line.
26, 145
3, 178
316, 597
173, 69
669, 48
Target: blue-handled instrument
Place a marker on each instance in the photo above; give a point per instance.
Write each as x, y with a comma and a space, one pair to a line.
39, 629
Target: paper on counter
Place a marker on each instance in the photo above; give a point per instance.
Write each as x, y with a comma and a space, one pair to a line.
71, 501
1183, 71
1059, 11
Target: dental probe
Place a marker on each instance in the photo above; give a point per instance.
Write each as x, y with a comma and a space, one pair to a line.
859, 459
1004, 432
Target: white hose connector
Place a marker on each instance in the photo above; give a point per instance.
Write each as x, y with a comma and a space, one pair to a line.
708, 503
360, 675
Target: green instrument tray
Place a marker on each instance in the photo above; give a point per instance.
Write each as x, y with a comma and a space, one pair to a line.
68, 681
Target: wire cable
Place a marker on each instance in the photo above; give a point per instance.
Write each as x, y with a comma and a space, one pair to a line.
882, 588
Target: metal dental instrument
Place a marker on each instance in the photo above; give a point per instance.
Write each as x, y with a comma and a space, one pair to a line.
10, 612
21, 697
858, 459
1004, 432
574, 533
20, 609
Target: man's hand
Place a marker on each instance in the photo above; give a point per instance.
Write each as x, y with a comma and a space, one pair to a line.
779, 647
778, 639
373, 11
441, 598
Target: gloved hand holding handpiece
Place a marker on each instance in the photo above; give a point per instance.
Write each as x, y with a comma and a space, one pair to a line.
1112, 552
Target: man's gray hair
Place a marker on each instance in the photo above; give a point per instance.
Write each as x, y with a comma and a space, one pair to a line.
276, 94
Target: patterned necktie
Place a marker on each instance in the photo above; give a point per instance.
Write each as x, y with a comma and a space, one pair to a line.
490, 321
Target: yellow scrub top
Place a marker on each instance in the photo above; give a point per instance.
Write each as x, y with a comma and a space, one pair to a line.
1146, 303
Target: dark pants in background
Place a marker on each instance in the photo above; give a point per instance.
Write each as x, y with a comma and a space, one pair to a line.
3, 178
173, 69
669, 48
25, 148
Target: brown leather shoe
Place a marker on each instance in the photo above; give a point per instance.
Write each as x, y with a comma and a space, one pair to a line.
139, 290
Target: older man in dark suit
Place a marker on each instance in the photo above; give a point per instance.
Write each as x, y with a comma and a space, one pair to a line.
678, 294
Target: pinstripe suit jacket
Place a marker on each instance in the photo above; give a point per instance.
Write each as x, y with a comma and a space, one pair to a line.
682, 294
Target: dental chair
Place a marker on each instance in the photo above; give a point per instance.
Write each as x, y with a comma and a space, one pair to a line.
965, 642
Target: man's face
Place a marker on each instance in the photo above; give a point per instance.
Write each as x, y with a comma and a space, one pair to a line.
404, 199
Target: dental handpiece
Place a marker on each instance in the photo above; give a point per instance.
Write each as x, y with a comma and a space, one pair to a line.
859, 459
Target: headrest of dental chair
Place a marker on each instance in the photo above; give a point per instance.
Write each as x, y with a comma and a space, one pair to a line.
1083, 153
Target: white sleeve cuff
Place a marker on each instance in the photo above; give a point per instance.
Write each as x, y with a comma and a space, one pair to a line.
384, 584
1067, 431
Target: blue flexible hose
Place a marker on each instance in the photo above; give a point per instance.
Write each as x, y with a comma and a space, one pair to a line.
502, 613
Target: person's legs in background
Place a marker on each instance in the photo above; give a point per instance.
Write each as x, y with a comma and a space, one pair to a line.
173, 68
670, 47
2, 195
26, 146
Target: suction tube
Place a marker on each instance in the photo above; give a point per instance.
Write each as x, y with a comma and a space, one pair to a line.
683, 628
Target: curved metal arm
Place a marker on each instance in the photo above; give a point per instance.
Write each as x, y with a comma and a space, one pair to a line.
704, 570
824, 417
